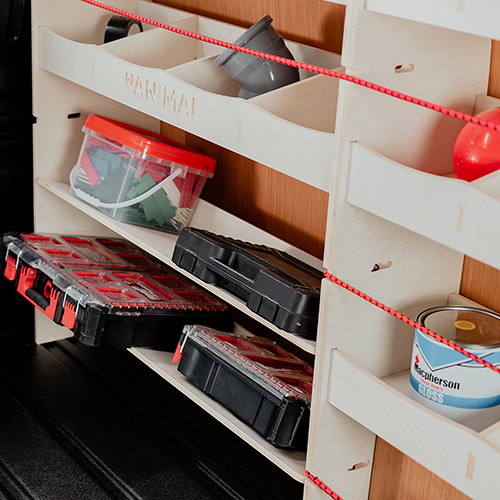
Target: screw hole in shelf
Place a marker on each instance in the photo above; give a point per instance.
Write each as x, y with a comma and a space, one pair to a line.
404, 68
360, 465
381, 265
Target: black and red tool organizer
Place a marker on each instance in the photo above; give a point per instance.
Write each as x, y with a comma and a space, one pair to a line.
107, 292
275, 285
261, 383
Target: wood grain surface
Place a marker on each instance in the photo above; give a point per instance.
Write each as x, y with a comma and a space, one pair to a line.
297, 213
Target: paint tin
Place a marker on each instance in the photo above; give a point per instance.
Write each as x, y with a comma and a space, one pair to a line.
449, 382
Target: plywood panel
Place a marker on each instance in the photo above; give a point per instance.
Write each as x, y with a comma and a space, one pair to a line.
395, 476
297, 213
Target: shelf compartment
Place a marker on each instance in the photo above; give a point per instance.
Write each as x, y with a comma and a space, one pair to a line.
205, 216
293, 103
292, 462
459, 455
172, 78
475, 18
453, 212
370, 405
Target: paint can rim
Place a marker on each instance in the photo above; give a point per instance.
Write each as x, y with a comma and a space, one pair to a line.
422, 316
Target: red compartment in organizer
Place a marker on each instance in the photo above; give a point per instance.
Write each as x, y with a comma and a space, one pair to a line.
92, 277
170, 281
237, 342
117, 294
274, 349
193, 297
276, 363
36, 238
296, 382
114, 245
89, 249
137, 260
145, 287
64, 255
107, 292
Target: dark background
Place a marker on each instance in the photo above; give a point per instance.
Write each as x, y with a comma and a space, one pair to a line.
16, 164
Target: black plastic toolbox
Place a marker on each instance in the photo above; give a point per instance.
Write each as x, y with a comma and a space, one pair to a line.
275, 285
106, 291
261, 383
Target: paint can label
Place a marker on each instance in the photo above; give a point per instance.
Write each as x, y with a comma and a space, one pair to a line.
446, 377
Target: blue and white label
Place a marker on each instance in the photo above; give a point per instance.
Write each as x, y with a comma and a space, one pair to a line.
446, 377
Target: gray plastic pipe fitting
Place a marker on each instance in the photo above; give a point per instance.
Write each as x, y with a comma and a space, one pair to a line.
255, 74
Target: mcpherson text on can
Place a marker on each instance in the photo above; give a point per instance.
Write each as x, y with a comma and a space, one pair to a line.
449, 382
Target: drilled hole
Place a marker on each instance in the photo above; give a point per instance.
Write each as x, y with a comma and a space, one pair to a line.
404, 68
381, 265
360, 465
73, 115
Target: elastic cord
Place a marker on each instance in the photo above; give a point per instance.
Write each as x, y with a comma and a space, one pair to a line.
412, 323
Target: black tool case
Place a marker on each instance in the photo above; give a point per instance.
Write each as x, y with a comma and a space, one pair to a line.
261, 383
275, 285
106, 291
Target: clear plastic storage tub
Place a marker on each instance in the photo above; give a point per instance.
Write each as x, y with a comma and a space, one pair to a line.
137, 176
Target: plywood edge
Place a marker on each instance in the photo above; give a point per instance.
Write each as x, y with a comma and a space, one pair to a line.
206, 216
452, 212
292, 462
242, 127
475, 18
442, 446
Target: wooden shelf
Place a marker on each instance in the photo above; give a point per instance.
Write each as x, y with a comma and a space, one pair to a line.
205, 216
292, 462
477, 18
173, 78
458, 214
459, 455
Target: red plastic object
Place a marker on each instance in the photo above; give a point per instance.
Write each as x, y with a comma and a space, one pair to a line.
476, 152
69, 316
92, 175
110, 293
10, 268
146, 142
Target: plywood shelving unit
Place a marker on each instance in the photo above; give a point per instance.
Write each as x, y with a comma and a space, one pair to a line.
397, 201
157, 77
386, 164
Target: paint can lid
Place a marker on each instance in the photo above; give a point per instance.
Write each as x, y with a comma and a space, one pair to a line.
466, 326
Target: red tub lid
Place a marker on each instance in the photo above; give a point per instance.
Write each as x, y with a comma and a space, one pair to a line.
150, 143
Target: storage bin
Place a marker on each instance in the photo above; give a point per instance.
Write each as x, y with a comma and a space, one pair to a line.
273, 283
107, 292
261, 383
139, 177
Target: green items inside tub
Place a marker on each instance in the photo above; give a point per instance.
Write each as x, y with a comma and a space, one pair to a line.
115, 180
